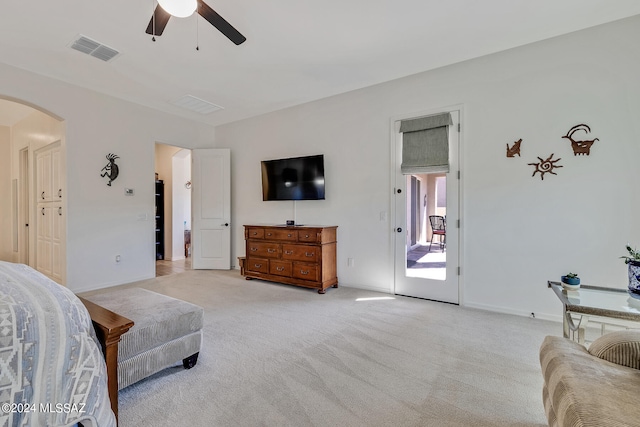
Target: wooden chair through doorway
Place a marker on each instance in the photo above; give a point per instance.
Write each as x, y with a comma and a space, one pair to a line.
438, 228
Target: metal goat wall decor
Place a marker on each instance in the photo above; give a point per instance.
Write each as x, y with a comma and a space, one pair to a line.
580, 147
111, 170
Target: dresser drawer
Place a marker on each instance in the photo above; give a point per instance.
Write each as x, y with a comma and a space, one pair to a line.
257, 264
307, 236
280, 268
305, 271
305, 253
281, 234
255, 233
263, 249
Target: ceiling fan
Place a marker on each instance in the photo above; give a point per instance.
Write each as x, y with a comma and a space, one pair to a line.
183, 9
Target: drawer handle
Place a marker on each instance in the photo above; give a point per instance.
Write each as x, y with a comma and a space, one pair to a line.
271, 250
269, 234
279, 268
304, 272
255, 233
306, 236
309, 254
257, 265
289, 235
253, 249
288, 252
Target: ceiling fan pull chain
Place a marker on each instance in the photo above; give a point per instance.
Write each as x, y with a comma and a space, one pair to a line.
153, 20
197, 34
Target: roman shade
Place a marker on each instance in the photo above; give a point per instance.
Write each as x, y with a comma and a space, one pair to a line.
425, 144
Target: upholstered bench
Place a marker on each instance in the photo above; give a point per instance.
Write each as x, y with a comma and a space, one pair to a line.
166, 330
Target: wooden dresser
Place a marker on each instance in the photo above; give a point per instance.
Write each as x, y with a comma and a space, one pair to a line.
296, 255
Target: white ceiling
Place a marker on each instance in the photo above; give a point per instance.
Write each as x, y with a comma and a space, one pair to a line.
296, 50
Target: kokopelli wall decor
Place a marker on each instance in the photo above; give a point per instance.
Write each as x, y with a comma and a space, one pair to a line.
111, 170
580, 147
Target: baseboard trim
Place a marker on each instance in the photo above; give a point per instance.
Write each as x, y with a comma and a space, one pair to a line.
364, 287
505, 310
109, 284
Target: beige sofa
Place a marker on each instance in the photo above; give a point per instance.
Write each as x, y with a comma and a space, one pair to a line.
598, 386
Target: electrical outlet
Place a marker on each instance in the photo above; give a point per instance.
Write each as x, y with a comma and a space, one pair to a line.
350, 262
117, 258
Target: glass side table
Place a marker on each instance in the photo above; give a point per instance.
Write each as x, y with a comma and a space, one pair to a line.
605, 306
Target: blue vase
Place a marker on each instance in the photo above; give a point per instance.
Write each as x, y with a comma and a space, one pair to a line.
634, 276
573, 281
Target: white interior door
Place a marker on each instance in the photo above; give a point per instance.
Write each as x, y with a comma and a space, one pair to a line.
211, 209
423, 270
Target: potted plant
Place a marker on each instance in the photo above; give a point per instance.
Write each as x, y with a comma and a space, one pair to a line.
571, 279
633, 261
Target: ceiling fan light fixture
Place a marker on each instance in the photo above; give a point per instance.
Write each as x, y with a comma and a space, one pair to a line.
179, 8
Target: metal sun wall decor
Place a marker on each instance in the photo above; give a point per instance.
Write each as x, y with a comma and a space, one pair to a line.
545, 166
111, 170
580, 147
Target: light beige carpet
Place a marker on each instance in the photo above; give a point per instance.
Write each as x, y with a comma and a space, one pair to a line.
278, 355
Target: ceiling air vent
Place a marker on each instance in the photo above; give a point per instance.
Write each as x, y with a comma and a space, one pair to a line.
198, 105
93, 48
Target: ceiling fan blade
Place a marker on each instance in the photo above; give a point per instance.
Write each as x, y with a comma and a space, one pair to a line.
220, 23
161, 18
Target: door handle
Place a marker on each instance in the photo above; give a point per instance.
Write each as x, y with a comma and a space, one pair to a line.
226, 224
399, 230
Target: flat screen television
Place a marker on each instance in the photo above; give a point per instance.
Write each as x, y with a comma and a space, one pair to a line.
296, 178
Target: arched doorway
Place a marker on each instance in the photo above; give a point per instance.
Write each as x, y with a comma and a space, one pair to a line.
32, 162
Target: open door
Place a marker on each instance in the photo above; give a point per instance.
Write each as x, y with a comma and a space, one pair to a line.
211, 209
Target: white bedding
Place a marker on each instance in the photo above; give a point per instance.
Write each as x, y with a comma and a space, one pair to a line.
52, 372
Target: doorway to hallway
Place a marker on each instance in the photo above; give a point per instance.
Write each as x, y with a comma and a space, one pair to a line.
173, 209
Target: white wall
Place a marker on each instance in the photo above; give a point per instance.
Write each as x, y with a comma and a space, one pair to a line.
102, 222
518, 230
6, 210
